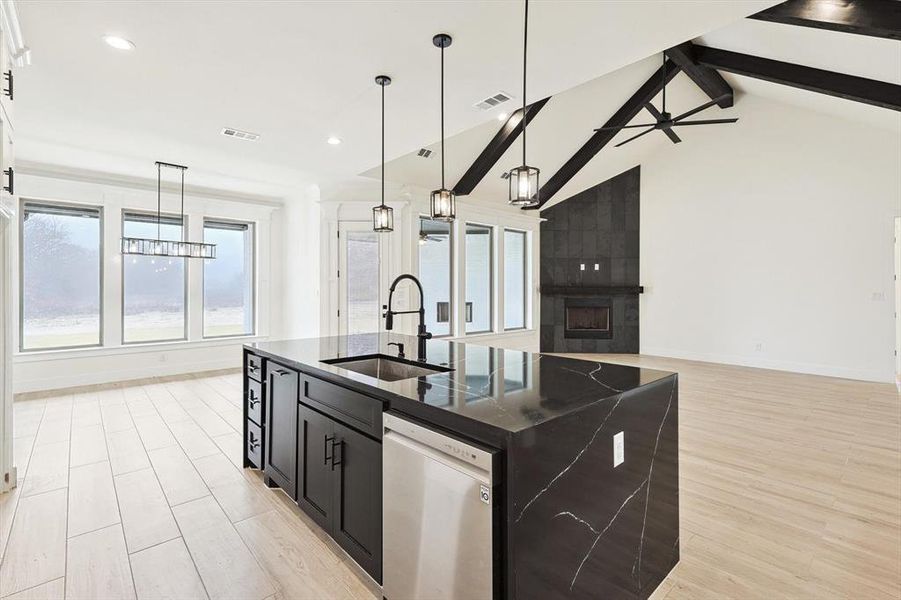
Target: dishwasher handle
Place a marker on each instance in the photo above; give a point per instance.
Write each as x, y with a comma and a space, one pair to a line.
453, 462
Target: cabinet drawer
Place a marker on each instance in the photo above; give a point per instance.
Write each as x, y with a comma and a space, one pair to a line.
254, 367
349, 407
255, 444
255, 401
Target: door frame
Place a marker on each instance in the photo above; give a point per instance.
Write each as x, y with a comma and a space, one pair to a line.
344, 227
898, 303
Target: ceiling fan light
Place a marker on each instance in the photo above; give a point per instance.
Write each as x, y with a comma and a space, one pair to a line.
523, 182
444, 205
382, 219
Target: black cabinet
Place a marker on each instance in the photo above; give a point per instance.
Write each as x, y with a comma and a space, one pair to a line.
339, 485
280, 454
315, 480
357, 524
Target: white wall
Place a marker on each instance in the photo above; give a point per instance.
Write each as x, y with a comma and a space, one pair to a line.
769, 243
298, 225
115, 362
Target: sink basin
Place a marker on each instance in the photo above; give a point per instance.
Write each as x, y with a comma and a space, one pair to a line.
386, 368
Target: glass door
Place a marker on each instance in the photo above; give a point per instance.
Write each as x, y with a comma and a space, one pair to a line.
359, 283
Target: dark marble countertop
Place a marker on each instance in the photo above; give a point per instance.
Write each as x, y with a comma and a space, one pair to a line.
493, 390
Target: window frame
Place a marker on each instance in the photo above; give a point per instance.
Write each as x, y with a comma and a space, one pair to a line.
492, 277
187, 310
452, 300
21, 266
253, 280
526, 297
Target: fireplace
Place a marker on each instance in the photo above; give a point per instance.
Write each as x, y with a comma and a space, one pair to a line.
588, 318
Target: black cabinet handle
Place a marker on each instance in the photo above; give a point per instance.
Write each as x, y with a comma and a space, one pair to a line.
253, 368
8, 90
254, 444
12, 181
280, 372
329, 440
253, 400
339, 445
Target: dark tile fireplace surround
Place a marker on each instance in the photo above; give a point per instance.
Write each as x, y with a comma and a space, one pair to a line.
589, 269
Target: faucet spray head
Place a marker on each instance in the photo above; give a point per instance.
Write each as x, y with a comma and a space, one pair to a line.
389, 318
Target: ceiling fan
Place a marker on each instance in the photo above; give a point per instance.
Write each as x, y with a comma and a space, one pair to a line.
665, 121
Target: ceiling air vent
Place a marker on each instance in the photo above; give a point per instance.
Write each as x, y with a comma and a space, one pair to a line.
492, 101
240, 135
424, 152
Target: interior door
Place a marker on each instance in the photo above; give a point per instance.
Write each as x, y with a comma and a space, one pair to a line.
357, 516
315, 441
359, 281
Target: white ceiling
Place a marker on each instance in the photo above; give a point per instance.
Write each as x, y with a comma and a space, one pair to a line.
566, 122
297, 72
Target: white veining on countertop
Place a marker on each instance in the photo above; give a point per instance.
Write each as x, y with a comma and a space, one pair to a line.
566, 513
650, 475
591, 376
601, 534
574, 460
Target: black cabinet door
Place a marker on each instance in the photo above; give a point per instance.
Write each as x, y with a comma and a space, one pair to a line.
357, 519
315, 444
281, 427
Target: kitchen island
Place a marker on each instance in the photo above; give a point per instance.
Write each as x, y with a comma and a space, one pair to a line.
584, 497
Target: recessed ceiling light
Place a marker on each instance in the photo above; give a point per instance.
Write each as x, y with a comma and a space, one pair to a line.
119, 43
502, 116
334, 141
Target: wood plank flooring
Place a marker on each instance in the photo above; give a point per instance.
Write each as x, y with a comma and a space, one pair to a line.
790, 488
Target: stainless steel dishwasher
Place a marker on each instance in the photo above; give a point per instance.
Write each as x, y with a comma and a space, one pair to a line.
437, 508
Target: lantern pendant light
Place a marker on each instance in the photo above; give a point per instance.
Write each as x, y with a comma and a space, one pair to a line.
159, 246
443, 201
383, 216
523, 180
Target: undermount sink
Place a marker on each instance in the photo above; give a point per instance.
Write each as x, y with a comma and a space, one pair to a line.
386, 368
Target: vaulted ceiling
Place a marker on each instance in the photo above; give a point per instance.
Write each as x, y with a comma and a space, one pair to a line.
566, 122
299, 72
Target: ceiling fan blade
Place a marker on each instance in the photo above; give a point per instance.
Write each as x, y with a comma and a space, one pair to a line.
634, 137
625, 127
657, 115
708, 122
672, 136
698, 109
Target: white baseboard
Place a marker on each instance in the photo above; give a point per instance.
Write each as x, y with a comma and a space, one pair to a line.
776, 365
53, 382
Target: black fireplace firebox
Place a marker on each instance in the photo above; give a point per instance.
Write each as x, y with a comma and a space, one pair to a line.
588, 318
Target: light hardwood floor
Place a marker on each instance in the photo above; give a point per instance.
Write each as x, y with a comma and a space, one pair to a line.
790, 488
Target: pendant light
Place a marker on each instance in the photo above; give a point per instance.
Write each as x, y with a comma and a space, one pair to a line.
383, 216
443, 201
523, 180
159, 246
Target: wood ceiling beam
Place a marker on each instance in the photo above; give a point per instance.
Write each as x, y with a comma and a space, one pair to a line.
711, 82
876, 18
840, 85
492, 153
596, 142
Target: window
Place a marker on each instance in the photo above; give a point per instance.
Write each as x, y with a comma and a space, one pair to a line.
61, 283
435, 274
479, 278
228, 303
154, 287
515, 278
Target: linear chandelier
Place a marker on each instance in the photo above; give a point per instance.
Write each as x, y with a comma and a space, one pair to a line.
159, 246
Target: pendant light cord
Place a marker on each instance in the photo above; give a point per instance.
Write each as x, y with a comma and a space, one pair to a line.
182, 205
383, 144
159, 169
525, 43
442, 116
